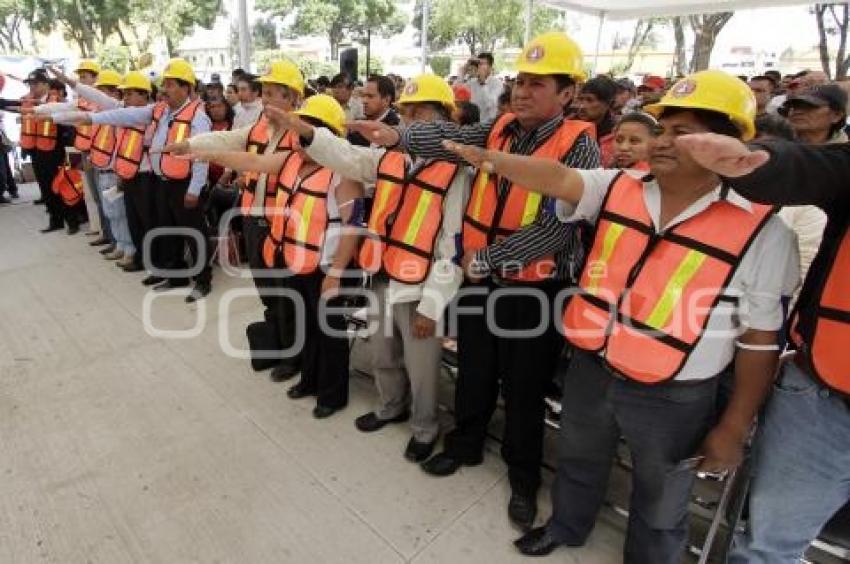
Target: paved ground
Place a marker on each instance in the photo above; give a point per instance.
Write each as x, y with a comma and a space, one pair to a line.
121, 447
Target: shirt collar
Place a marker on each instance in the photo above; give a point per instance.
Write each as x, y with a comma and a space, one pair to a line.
541, 131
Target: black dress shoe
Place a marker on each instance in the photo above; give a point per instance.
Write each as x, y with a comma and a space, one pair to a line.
284, 371
201, 290
51, 228
537, 542
5, 200
73, 229
522, 510
298, 391
323, 411
418, 452
38, 202
441, 465
100, 241
108, 250
151, 280
170, 285
369, 423
132, 267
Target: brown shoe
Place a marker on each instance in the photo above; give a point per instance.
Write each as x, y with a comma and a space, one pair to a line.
114, 255
126, 261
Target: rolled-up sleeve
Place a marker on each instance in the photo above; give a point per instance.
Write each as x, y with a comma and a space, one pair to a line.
425, 140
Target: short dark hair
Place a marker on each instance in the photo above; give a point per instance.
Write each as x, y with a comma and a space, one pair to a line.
323, 81
229, 112
54, 84
342, 79
715, 122
251, 80
602, 87
563, 81
775, 75
764, 78
640, 118
386, 87
774, 126
487, 57
469, 113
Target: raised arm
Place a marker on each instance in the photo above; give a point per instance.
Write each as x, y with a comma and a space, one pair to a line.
535, 174
242, 160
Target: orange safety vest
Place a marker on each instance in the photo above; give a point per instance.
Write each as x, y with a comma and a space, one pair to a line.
179, 129
131, 151
646, 297
104, 141
258, 141
301, 220
406, 218
28, 125
826, 348
82, 141
493, 215
68, 185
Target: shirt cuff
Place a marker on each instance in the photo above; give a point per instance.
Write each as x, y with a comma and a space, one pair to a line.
481, 264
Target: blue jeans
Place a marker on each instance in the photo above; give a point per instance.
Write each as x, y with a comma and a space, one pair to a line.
802, 470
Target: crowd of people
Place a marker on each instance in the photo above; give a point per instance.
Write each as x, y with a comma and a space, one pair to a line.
630, 219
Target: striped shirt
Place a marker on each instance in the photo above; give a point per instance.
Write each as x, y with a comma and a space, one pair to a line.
547, 235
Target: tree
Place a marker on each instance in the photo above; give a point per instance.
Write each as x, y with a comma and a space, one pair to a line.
171, 19
264, 35
338, 19
706, 28
836, 24
11, 18
482, 25
86, 23
641, 37
681, 52
441, 65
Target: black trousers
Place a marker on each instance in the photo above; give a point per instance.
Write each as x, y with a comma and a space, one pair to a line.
45, 166
7, 177
662, 425
170, 250
255, 231
324, 359
140, 201
524, 366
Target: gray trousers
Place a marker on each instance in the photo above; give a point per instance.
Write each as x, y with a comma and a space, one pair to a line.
662, 425
406, 369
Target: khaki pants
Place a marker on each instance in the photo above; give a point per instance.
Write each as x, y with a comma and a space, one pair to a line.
406, 369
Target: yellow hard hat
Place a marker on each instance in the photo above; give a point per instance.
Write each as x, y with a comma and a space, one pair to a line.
179, 69
428, 88
715, 91
136, 81
88, 65
552, 53
325, 109
108, 77
284, 73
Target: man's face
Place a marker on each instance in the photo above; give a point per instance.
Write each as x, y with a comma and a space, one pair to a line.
135, 98
763, 91
87, 77
621, 99
342, 93
111, 91
810, 120
484, 69
535, 99
245, 93
373, 105
418, 112
56, 94
590, 108
38, 89
278, 96
215, 90
664, 156
174, 92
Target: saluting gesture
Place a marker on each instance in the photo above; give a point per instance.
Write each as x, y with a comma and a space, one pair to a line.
722, 154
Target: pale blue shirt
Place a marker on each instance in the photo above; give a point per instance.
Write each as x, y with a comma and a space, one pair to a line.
136, 117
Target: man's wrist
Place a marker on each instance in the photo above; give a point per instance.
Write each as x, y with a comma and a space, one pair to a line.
480, 265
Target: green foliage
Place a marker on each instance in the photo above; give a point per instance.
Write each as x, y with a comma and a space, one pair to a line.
338, 19
116, 57
12, 16
441, 65
171, 19
376, 66
310, 67
264, 35
482, 25
84, 23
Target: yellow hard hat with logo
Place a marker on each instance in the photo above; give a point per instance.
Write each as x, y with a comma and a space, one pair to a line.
108, 77
87, 65
714, 91
284, 73
179, 69
325, 109
134, 80
552, 53
428, 88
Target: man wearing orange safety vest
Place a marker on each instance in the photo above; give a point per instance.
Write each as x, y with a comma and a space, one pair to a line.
408, 250
45, 142
684, 278
87, 72
522, 255
802, 449
176, 183
282, 88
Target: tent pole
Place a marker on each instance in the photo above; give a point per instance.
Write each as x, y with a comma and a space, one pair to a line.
598, 41
529, 16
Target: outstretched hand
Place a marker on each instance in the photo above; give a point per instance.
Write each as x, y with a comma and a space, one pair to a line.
722, 154
289, 120
476, 156
377, 132
181, 148
60, 75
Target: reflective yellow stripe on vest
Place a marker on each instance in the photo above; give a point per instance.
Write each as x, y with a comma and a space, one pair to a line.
532, 204
181, 132
46, 131
381, 204
418, 217
306, 218
478, 190
131, 144
681, 277
101, 138
599, 268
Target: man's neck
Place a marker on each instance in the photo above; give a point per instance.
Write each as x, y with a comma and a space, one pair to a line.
680, 191
174, 106
530, 125
379, 116
813, 137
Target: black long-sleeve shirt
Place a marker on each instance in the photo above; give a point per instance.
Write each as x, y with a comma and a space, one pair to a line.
798, 175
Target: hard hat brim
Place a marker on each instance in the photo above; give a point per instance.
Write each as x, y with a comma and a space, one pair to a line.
747, 129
